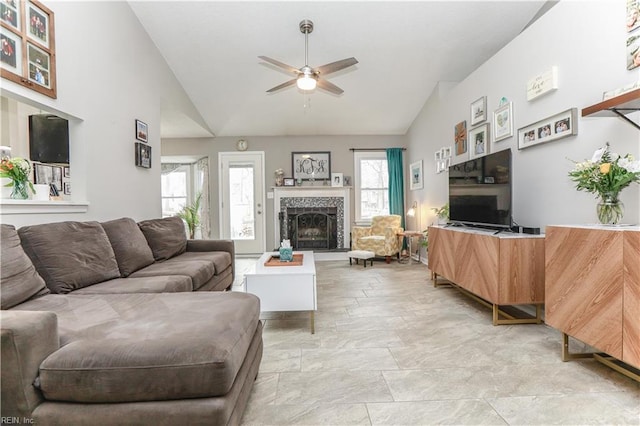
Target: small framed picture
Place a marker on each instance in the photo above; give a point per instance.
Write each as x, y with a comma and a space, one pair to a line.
43, 174
39, 61
66, 172
479, 141
142, 131
337, 179
346, 180
67, 188
10, 51
288, 182
38, 21
479, 111
437, 156
503, 122
143, 155
56, 173
446, 152
416, 175
460, 137
9, 13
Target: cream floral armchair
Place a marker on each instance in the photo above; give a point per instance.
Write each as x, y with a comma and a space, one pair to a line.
381, 237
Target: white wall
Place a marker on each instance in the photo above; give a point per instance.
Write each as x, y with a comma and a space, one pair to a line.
277, 155
109, 74
586, 40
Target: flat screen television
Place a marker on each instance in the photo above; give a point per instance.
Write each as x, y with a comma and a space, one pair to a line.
480, 191
48, 139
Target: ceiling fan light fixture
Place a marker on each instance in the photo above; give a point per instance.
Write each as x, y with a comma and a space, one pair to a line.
306, 82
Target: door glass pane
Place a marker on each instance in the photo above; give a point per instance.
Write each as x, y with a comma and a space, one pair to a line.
241, 211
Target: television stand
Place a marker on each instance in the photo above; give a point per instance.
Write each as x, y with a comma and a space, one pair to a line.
503, 270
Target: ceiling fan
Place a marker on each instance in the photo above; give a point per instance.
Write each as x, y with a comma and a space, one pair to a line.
308, 78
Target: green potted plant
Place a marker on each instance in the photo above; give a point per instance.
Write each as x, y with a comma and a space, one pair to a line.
443, 215
191, 215
442, 212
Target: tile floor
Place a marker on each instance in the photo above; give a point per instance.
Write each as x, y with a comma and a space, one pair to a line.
391, 349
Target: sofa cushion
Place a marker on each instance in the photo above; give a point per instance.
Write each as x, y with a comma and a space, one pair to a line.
70, 255
199, 267
168, 284
19, 280
129, 245
166, 237
146, 347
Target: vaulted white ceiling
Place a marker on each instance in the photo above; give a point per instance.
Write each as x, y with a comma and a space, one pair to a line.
404, 49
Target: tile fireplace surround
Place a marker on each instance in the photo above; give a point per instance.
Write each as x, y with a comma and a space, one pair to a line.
314, 196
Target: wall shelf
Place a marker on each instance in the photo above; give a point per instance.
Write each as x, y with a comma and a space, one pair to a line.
618, 106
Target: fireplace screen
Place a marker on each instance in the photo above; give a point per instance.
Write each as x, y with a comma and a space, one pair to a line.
311, 228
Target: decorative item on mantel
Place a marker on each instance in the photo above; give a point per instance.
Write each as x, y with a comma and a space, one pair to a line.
279, 173
17, 169
605, 175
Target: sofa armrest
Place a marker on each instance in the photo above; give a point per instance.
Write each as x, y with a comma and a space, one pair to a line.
27, 338
215, 245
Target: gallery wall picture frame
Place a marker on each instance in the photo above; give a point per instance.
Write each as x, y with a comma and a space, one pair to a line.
143, 155
503, 122
67, 188
337, 180
552, 128
479, 141
633, 15
479, 111
142, 131
313, 165
415, 170
460, 137
27, 45
42, 174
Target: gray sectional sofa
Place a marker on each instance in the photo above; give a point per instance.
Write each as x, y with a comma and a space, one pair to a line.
101, 325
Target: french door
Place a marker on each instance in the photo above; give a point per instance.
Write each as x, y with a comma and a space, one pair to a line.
241, 189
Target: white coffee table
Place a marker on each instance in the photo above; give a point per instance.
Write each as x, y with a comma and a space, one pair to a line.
284, 288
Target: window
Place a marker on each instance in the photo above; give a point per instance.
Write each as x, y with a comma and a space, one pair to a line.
175, 189
371, 185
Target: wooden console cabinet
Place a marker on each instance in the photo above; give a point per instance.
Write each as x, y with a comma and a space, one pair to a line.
593, 287
501, 269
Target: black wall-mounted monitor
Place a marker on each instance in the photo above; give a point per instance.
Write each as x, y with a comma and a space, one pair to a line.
48, 139
480, 191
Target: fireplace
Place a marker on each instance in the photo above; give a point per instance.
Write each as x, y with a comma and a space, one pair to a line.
313, 218
311, 227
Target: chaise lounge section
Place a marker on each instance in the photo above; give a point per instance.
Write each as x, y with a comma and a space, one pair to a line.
127, 357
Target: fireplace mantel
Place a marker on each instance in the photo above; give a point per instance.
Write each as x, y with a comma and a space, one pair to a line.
303, 192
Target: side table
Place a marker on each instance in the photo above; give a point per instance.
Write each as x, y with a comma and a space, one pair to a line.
410, 235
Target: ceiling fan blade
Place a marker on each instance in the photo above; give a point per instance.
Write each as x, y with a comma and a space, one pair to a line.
282, 65
329, 87
335, 66
282, 86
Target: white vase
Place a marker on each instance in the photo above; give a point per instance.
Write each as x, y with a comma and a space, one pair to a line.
42, 192
5, 191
